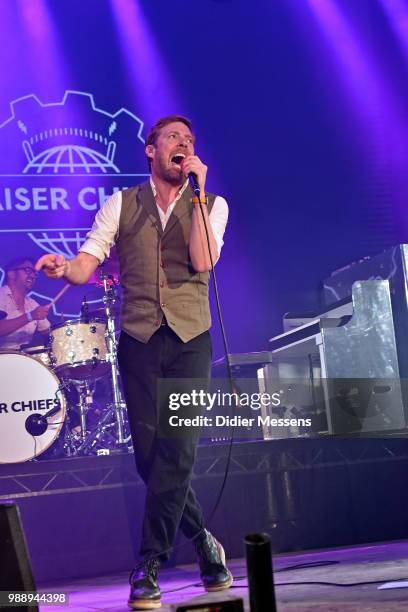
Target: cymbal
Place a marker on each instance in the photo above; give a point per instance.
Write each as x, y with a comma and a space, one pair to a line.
3, 314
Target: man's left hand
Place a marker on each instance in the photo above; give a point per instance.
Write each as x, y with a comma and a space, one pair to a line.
193, 164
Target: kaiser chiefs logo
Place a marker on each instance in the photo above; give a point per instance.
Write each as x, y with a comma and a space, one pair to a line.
59, 162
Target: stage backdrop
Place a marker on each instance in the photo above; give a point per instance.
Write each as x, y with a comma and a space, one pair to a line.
300, 113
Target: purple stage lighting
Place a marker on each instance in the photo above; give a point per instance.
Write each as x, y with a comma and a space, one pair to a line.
357, 72
373, 95
378, 109
397, 13
47, 65
148, 75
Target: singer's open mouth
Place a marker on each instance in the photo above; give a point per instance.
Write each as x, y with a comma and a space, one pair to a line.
177, 158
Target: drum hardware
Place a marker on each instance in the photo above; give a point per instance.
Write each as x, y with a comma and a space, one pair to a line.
114, 417
100, 313
104, 434
80, 352
85, 389
109, 270
71, 438
84, 308
37, 424
40, 352
118, 404
70, 441
111, 428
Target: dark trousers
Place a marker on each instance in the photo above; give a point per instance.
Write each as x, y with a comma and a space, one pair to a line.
165, 464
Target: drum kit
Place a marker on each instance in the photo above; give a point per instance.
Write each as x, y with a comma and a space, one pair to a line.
47, 400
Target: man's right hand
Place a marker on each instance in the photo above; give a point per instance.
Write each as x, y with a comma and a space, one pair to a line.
54, 266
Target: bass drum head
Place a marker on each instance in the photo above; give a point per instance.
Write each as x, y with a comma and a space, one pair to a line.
27, 387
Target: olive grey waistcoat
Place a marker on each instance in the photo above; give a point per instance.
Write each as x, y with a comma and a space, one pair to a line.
156, 272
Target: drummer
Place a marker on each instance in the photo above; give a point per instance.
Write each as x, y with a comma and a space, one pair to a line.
25, 316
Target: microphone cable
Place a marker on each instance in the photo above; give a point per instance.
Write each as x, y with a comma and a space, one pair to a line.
227, 361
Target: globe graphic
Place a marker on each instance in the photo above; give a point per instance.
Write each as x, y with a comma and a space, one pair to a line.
67, 159
71, 159
65, 243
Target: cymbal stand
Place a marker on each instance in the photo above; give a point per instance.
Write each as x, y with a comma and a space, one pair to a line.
86, 389
118, 404
69, 439
117, 407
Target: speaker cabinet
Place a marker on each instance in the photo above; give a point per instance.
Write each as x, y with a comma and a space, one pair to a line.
15, 564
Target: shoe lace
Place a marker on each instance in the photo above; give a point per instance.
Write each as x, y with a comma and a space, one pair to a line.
208, 546
149, 566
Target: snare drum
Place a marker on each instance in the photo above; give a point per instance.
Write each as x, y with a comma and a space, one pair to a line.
27, 388
78, 349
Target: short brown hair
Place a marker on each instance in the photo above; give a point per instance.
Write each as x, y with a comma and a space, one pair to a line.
154, 131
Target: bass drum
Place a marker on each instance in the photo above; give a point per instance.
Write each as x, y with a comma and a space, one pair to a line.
27, 389
40, 352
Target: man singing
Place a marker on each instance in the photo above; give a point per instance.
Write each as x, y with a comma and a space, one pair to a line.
164, 259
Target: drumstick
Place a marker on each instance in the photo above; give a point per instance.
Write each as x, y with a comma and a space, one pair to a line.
60, 293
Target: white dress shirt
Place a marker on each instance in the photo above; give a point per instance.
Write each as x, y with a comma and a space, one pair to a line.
25, 334
106, 225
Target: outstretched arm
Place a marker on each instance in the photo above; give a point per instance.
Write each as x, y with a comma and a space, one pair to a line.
76, 271
97, 246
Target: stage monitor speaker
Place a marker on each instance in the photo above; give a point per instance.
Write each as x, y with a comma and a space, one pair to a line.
15, 564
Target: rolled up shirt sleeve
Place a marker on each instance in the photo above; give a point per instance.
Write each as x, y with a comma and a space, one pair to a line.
101, 237
218, 219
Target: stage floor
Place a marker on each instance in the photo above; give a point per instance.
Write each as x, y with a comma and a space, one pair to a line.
376, 563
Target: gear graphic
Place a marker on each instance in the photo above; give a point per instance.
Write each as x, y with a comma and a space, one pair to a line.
72, 136
72, 139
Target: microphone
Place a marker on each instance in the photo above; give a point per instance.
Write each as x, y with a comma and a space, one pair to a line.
192, 178
194, 183
36, 424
